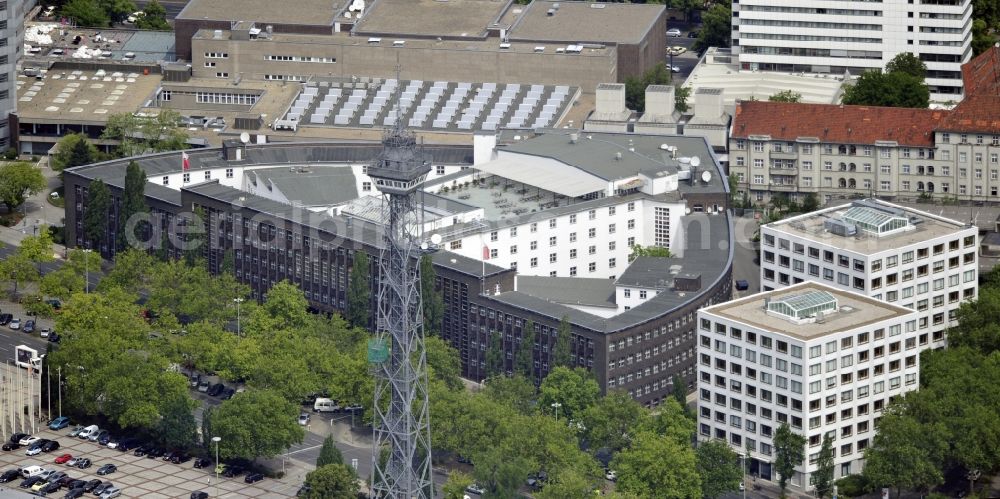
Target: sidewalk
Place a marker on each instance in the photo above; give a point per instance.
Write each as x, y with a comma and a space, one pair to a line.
38, 211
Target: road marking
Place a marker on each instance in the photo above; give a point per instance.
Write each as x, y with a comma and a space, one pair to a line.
303, 449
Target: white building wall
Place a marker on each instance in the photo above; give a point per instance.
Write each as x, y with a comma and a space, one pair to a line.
627, 297
951, 277
838, 383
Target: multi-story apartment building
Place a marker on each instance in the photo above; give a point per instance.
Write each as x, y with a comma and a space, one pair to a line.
814, 36
841, 152
12, 36
823, 360
898, 255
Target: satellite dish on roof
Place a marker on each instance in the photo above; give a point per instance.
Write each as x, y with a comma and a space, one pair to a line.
706, 176
695, 161
436, 238
245, 137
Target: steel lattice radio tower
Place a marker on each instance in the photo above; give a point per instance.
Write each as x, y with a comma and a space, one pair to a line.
402, 424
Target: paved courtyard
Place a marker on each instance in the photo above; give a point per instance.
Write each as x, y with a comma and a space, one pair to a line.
145, 478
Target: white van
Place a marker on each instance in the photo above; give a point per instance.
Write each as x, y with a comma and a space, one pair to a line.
30, 471
325, 405
88, 431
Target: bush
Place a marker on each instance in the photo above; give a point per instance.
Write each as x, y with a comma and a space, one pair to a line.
58, 234
10, 154
852, 486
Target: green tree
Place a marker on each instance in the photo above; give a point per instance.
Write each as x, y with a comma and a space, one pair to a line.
718, 468
524, 359
786, 96
635, 86
85, 13
73, 149
359, 292
194, 235
333, 481
70, 277
155, 17
897, 89
256, 423
567, 483
810, 203
657, 466
329, 453
562, 354
17, 269
146, 134
905, 453
495, 355
716, 28
130, 272
823, 476
681, 96
117, 10
611, 421
789, 451
133, 200
574, 389
670, 420
516, 392
906, 62
177, 428
18, 180
430, 297
639, 250
454, 488
444, 363
679, 391
95, 216
982, 39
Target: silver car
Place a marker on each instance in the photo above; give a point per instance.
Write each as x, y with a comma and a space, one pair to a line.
111, 493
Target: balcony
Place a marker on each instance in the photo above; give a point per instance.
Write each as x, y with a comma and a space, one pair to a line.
784, 155
783, 171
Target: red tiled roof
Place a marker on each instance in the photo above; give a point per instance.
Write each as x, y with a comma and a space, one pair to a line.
976, 113
981, 75
837, 123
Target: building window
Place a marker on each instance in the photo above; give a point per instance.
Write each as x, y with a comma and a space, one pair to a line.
186, 178
166, 180
592, 266
366, 186
229, 173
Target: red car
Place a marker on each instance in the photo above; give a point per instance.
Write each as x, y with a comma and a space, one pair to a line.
63, 458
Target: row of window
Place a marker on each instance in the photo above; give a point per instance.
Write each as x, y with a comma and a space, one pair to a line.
653, 370
300, 58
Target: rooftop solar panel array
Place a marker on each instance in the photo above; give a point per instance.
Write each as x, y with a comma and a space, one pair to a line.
437, 105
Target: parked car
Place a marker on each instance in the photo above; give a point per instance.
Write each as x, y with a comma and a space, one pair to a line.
155, 452
111, 493
55, 304
29, 326
254, 477
96, 435
202, 462
195, 380
103, 437
15, 438
91, 485
304, 418
44, 333
30, 471
742, 285
5, 319
30, 481
674, 32
475, 489
15, 324
228, 393
34, 450
216, 390
75, 432
49, 488
107, 469
50, 446
10, 475
9, 446
692, 34
88, 431
75, 493
59, 423
28, 440
199, 495
54, 337
63, 459
142, 450
72, 461
204, 386
112, 442
83, 463
129, 444
180, 458
611, 475
233, 471
101, 488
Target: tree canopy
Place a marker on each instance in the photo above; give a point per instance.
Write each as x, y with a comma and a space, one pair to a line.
657, 466
789, 452
332, 481
18, 180
359, 292
786, 96
256, 423
900, 85
716, 28
73, 149
719, 469
146, 134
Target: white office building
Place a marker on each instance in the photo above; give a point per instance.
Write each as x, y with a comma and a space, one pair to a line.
898, 255
823, 360
817, 36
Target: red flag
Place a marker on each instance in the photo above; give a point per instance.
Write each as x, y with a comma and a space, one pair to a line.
185, 161
486, 252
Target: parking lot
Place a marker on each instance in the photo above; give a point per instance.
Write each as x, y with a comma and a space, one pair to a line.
141, 476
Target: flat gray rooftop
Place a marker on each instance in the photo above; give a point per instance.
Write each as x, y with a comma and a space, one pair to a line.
312, 186
860, 312
309, 12
453, 18
810, 226
576, 22
582, 291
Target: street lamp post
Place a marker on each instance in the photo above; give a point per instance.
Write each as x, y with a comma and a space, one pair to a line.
86, 267
216, 440
556, 406
238, 301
